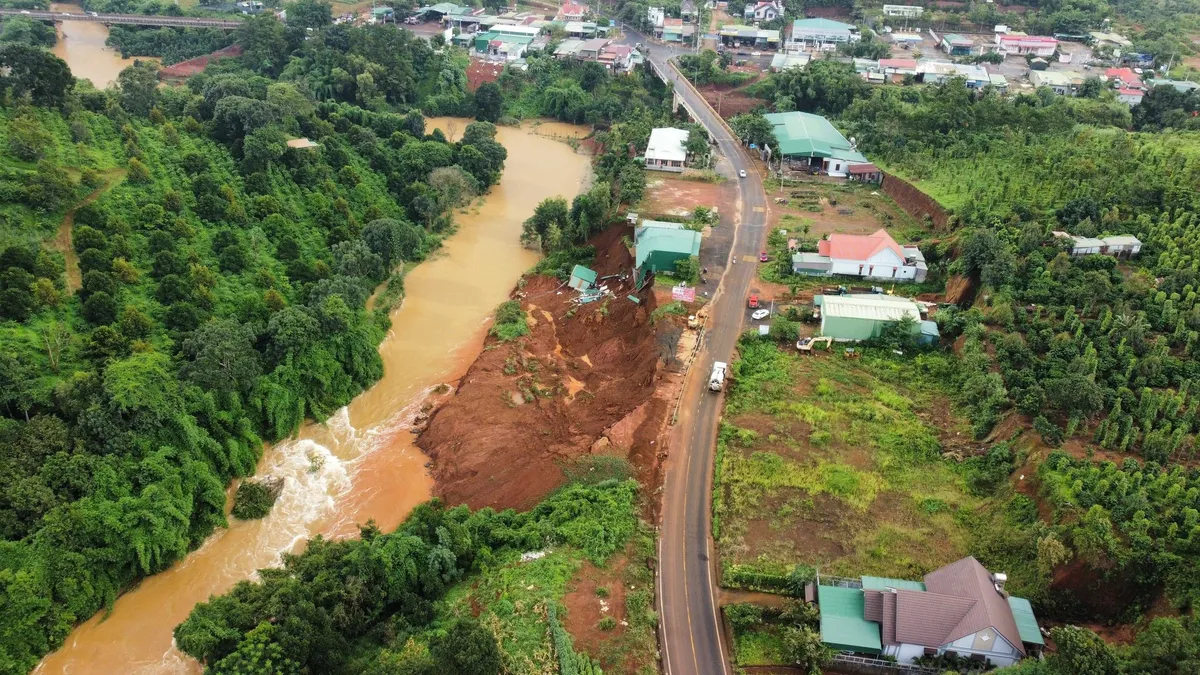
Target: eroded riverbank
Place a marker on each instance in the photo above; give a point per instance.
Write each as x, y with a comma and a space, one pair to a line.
362, 463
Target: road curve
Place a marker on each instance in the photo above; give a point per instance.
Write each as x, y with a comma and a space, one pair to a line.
690, 627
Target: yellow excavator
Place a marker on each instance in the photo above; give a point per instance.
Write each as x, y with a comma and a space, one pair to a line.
806, 344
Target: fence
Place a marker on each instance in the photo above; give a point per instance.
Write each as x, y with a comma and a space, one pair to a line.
842, 582
862, 665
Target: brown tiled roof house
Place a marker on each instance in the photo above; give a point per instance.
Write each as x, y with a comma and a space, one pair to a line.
961, 609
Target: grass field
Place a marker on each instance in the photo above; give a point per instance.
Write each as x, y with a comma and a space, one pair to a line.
837, 464
759, 645
607, 610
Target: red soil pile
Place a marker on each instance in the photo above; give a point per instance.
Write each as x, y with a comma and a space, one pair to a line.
582, 382
185, 69
480, 71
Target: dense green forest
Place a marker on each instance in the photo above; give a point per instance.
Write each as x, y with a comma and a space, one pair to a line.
370, 605
213, 294
171, 44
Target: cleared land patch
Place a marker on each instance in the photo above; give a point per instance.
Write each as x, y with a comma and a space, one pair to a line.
832, 463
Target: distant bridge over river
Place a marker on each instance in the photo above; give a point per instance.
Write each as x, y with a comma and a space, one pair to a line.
129, 19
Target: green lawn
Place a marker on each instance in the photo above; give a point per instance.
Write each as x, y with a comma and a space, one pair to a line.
759, 645
837, 464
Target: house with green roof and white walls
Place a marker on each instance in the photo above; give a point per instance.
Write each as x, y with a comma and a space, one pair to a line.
811, 141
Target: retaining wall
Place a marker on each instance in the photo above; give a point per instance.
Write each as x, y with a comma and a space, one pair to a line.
914, 202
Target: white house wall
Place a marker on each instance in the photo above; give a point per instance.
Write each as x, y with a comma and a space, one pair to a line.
859, 268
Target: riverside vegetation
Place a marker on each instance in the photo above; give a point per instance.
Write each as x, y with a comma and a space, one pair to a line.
212, 295
449, 591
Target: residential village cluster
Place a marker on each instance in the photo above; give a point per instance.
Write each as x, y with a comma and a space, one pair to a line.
1061, 63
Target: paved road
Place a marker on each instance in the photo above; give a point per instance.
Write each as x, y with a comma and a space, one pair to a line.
132, 19
690, 626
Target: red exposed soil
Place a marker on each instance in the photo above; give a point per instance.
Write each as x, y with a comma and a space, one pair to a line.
728, 101
586, 384
826, 12
678, 197
914, 202
185, 69
585, 608
480, 71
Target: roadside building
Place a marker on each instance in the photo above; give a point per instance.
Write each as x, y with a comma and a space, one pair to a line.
1130, 96
907, 39
865, 173
906, 11
1060, 82
671, 31
617, 58
820, 33
441, 10
810, 140
735, 35
874, 256
572, 11
667, 149
582, 30
1020, 44
1124, 78
877, 256
934, 72
568, 49
852, 318
500, 45
658, 245
763, 11
961, 609
956, 45
1111, 40
1181, 86
811, 264
894, 70
687, 11
589, 50
998, 81
656, 16
783, 61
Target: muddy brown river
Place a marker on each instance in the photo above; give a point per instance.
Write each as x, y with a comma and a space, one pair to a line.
81, 45
361, 463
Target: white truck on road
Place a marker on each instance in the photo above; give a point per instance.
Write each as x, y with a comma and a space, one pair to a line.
717, 380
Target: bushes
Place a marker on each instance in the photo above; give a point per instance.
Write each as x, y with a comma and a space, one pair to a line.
397, 578
510, 322
254, 499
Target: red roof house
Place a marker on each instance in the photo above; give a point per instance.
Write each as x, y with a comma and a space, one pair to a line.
1128, 78
573, 11
876, 256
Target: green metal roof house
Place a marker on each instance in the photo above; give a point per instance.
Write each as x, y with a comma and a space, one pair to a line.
804, 136
843, 626
657, 245
582, 278
850, 318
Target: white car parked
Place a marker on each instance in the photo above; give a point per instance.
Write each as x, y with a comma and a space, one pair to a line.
760, 314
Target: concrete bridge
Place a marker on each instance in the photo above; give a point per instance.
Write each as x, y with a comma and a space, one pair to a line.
129, 19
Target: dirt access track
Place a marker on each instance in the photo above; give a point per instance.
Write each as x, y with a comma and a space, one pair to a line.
585, 381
